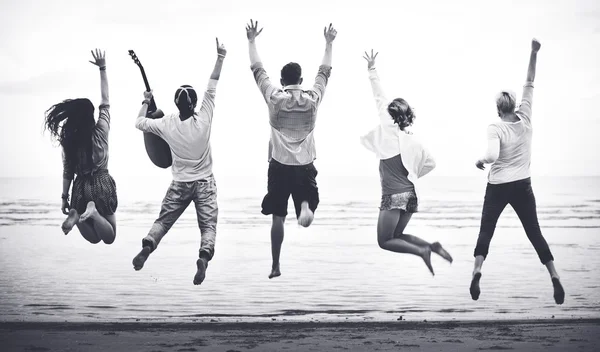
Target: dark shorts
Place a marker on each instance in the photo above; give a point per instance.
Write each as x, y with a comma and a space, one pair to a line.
299, 181
99, 187
406, 201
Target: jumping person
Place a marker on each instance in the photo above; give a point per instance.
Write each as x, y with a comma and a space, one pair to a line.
84, 145
292, 116
509, 178
403, 160
188, 134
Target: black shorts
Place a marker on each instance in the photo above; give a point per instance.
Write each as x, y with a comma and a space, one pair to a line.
299, 181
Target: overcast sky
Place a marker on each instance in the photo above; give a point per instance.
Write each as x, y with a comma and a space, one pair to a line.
447, 58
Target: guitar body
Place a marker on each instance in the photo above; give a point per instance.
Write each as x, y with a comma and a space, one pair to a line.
157, 149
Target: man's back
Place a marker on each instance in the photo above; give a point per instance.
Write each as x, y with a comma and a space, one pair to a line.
292, 116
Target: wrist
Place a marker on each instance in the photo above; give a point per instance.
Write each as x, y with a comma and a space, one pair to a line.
64, 196
103, 68
220, 56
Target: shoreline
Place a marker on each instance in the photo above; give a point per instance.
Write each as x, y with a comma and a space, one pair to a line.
514, 335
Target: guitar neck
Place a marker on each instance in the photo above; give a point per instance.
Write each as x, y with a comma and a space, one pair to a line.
152, 106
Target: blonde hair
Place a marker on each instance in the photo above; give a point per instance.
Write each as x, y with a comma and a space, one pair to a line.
506, 101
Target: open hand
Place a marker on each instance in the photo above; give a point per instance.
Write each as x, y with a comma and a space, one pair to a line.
329, 34
480, 165
535, 45
221, 51
65, 207
252, 30
370, 59
99, 58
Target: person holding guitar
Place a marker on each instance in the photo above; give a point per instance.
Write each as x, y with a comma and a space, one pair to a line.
188, 134
84, 144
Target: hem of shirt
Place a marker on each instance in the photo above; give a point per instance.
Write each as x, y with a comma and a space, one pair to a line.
520, 178
192, 179
297, 164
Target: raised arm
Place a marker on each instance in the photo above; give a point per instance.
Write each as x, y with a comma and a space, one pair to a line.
325, 68
208, 102
103, 124
524, 111
380, 100
260, 75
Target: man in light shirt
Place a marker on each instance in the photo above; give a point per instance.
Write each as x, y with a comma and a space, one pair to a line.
188, 134
509, 179
292, 116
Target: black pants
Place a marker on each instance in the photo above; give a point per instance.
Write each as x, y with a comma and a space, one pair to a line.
519, 195
299, 181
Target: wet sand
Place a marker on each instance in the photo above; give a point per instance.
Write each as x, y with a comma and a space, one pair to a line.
515, 335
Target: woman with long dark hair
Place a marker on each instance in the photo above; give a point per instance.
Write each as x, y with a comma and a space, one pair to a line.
84, 144
403, 160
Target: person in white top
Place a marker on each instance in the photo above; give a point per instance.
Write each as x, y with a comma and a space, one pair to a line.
509, 182
403, 160
188, 134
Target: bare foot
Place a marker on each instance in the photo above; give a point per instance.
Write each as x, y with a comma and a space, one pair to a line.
70, 221
275, 272
437, 248
474, 289
89, 213
427, 259
559, 291
306, 215
201, 273
140, 259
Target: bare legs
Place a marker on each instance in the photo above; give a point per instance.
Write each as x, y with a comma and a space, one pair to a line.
276, 242
92, 226
391, 237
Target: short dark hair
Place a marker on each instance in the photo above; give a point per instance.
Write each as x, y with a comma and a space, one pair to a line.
401, 113
291, 73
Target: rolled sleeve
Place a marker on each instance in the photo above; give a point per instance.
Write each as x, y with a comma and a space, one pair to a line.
321, 81
263, 82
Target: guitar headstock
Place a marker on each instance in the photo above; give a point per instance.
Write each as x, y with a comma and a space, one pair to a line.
135, 58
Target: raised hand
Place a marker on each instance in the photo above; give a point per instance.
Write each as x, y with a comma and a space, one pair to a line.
252, 30
329, 34
147, 95
221, 51
370, 59
99, 58
535, 45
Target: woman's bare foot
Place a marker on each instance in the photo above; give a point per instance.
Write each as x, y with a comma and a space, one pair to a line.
427, 259
90, 212
437, 248
201, 264
140, 259
70, 221
306, 215
559, 291
474, 289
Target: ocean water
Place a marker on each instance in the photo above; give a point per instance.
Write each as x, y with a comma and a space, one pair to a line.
333, 270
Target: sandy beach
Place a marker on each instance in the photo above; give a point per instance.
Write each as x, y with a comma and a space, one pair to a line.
519, 335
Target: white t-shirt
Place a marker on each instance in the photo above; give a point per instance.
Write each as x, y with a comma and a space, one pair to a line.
189, 139
509, 144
